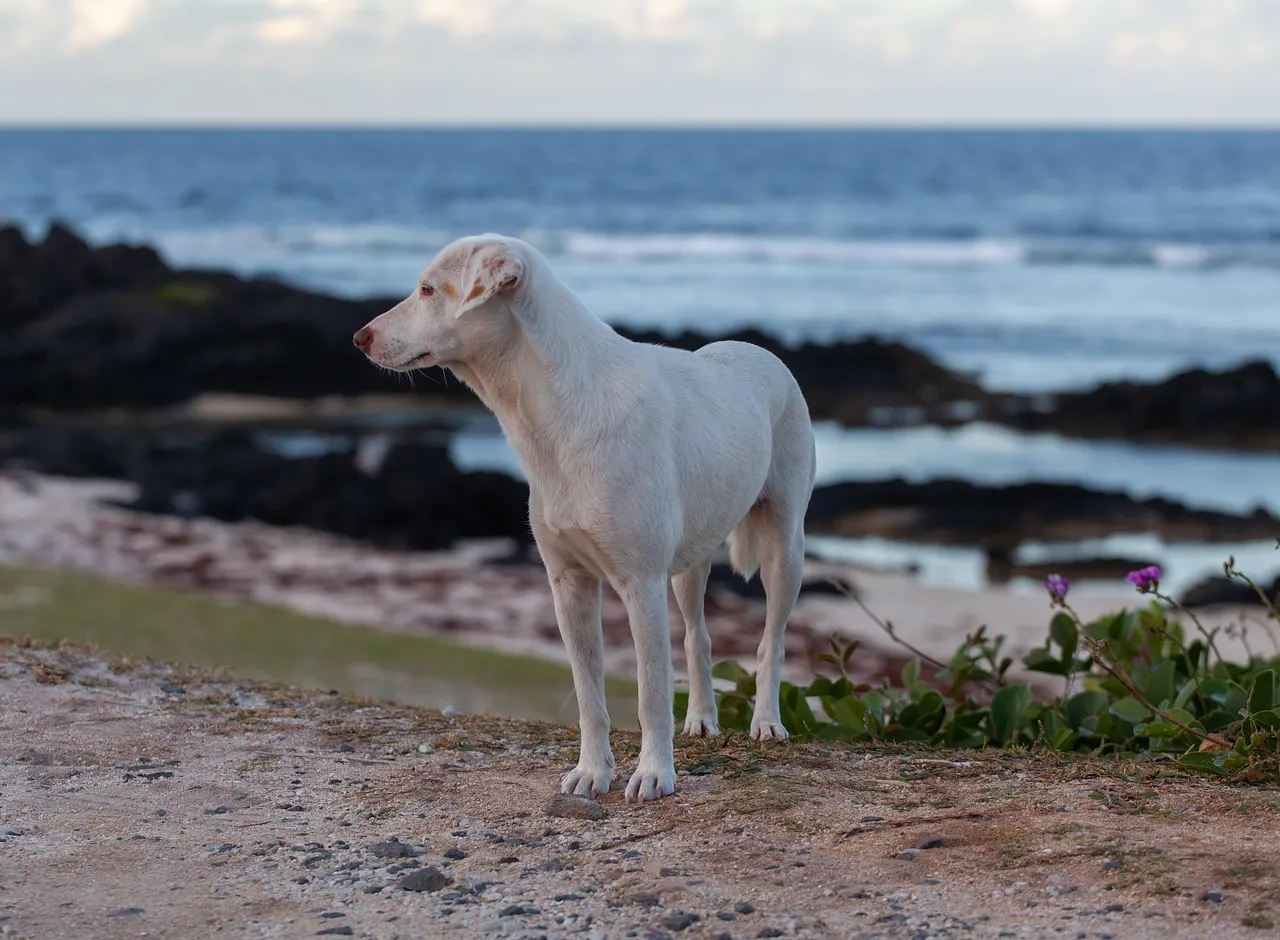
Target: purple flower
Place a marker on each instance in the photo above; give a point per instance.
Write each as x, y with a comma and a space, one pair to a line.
1057, 586
1145, 579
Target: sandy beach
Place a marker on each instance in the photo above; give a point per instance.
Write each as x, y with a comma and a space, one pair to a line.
462, 595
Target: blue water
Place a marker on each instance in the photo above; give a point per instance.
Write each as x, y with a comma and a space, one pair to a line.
1036, 259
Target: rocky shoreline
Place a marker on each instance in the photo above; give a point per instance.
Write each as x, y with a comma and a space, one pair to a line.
85, 328
106, 352
409, 494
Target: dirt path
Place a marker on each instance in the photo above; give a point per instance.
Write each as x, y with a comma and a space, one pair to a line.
140, 800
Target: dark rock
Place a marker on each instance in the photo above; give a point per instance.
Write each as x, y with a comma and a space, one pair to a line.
568, 897
727, 915
770, 932
1113, 864
1213, 897
342, 931
745, 907
724, 577
870, 819
372, 889
964, 513
1222, 590
932, 842
680, 920
516, 910
575, 807
393, 849
455, 854
425, 879
644, 899
217, 811
1234, 408
1114, 908
129, 912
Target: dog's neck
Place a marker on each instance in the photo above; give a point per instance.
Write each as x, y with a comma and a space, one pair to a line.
556, 362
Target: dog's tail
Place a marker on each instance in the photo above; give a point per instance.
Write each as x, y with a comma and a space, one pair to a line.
744, 549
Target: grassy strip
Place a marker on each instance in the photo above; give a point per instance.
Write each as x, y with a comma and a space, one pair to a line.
265, 642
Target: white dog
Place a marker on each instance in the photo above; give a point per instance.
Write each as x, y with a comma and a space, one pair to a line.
642, 461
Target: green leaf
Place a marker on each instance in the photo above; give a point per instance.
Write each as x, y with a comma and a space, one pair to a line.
1160, 683
820, 686
1202, 761
1063, 631
1262, 694
1268, 719
1131, 710
681, 705
910, 674
730, 670
847, 712
1085, 705
1009, 711
1041, 660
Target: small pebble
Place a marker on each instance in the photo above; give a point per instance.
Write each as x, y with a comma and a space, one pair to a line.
1113, 864
932, 842
1213, 897
679, 920
569, 806
745, 907
455, 854
425, 879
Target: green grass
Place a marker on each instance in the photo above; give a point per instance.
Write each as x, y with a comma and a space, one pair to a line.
263, 642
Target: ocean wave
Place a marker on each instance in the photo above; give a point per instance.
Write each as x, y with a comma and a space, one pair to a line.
927, 253
364, 240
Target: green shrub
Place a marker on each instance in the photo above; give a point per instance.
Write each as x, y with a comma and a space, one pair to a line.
1134, 683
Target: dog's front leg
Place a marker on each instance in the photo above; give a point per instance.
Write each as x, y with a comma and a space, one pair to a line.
646, 603
577, 601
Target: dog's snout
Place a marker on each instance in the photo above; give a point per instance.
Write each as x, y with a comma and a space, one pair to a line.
362, 339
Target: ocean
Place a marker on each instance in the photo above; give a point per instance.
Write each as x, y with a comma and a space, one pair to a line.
1035, 260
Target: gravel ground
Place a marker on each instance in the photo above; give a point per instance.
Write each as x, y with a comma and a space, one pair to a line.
144, 800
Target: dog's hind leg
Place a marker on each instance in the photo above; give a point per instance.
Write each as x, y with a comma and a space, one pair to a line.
781, 570
577, 601
690, 588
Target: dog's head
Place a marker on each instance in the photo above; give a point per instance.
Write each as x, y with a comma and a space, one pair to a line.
459, 308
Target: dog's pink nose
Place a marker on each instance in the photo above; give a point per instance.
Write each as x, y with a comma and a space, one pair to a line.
362, 339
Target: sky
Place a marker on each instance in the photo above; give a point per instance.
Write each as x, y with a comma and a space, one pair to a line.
807, 62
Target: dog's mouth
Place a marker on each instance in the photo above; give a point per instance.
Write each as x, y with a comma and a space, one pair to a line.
422, 361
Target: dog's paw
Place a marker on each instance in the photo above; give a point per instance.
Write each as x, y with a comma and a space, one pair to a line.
587, 780
651, 783
701, 726
767, 730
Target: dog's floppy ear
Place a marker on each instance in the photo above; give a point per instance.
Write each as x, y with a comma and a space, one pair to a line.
492, 269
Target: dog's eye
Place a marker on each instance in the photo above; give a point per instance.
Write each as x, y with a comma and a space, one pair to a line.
426, 290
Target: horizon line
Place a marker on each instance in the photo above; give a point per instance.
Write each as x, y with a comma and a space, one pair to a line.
662, 126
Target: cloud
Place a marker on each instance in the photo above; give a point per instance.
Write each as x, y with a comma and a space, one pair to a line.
95, 22
883, 61
304, 20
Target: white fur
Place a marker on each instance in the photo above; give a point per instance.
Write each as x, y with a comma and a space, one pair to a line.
642, 460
